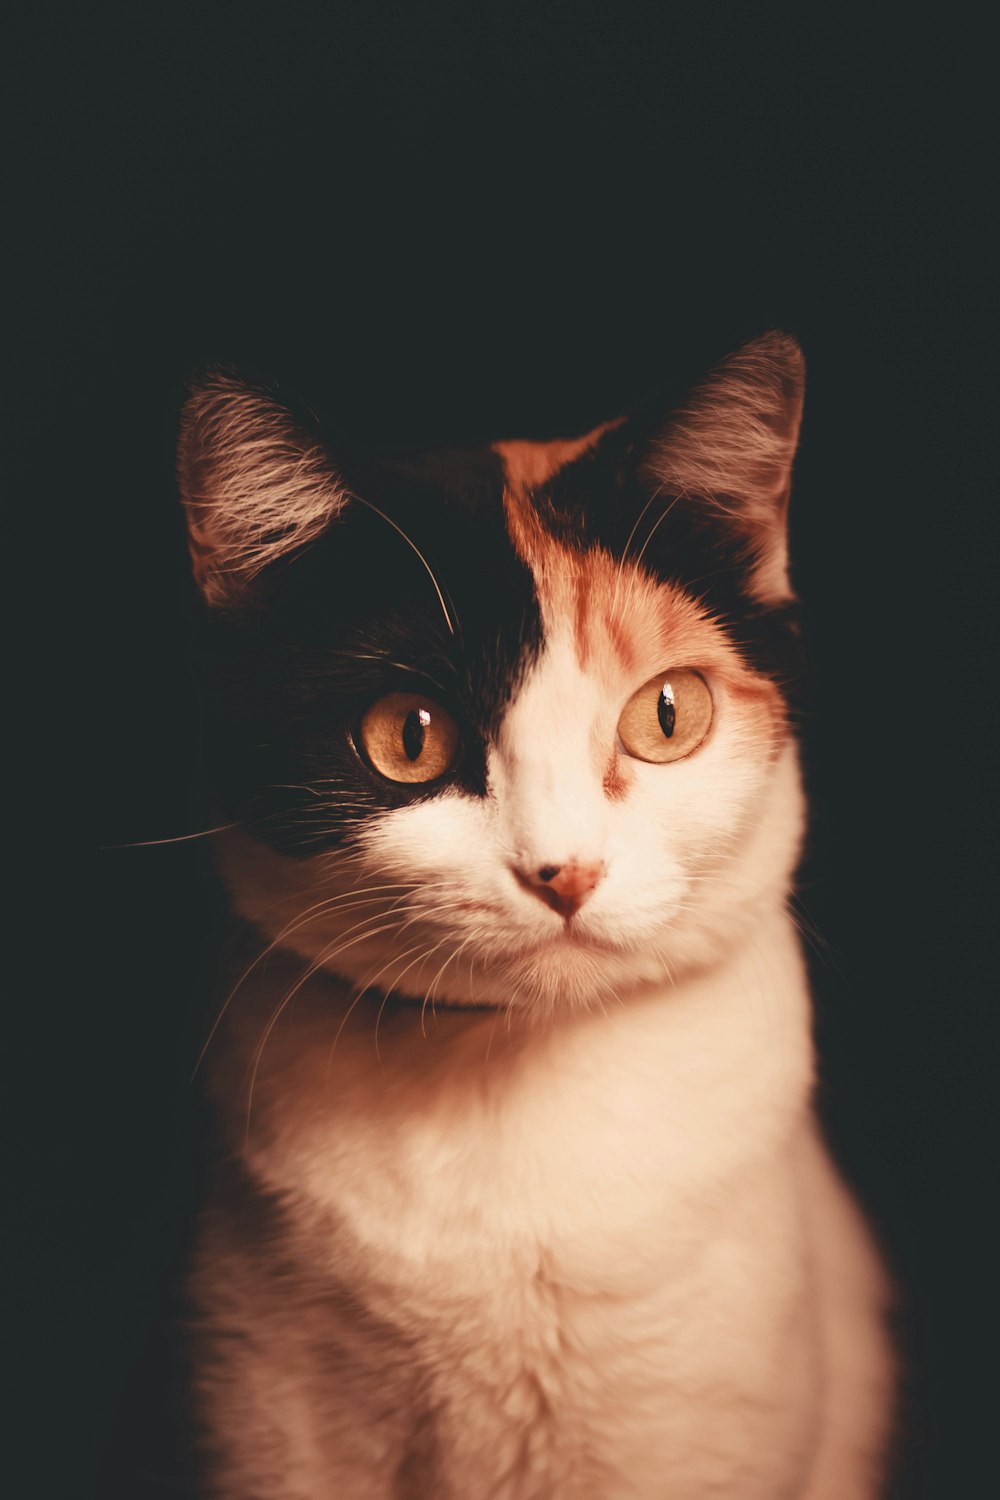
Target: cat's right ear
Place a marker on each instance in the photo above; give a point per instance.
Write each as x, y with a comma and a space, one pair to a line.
255, 486
730, 448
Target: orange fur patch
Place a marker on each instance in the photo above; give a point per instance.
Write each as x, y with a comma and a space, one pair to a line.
612, 610
587, 592
624, 625
530, 464
586, 589
613, 781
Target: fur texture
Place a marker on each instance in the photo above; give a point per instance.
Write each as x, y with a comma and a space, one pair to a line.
253, 487
520, 1193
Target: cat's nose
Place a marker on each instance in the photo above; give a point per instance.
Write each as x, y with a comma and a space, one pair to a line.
562, 887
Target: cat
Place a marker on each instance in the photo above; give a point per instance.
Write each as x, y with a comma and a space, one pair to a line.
520, 1192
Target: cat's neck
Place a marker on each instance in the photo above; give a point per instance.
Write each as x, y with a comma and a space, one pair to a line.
708, 1069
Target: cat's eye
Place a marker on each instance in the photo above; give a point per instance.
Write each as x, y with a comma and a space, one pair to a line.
668, 718
407, 737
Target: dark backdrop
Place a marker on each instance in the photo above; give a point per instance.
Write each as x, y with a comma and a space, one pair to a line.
471, 221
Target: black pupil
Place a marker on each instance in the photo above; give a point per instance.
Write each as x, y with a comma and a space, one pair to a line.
665, 711
413, 734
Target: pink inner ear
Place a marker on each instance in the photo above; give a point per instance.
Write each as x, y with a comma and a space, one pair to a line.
734, 440
253, 485
732, 445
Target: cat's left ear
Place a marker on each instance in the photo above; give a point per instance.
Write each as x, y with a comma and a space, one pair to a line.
255, 485
730, 447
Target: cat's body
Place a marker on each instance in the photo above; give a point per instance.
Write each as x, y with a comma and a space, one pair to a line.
522, 1193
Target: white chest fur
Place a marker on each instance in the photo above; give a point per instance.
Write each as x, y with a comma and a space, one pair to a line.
586, 1249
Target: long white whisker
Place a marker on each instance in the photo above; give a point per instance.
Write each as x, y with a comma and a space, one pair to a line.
421, 956
180, 838
411, 543
653, 529
631, 536
314, 967
311, 913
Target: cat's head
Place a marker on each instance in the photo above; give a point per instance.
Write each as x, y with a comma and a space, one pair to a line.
506, 725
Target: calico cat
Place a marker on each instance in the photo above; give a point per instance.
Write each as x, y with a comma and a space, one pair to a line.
520, 1194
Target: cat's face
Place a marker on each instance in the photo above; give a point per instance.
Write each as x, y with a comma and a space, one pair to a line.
505, 726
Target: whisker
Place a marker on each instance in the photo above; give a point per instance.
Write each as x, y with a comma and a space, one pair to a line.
423, 955
489, 1042
401, 666
660, 519
423, 1003
311, 913
313, 968
411, 543
180, 838
359, 995
631, 536
440, 974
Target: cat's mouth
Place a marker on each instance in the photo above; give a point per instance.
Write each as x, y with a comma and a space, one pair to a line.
569, 936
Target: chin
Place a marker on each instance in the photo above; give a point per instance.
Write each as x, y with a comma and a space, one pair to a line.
566, 974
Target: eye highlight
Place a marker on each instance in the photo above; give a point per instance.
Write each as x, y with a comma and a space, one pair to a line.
407, 737
668, 718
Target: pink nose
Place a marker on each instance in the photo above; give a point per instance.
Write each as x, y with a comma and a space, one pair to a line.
563, 887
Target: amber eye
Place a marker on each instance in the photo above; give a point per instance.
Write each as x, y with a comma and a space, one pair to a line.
668, 718
407, 737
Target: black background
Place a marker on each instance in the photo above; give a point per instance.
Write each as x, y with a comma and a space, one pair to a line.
466, 221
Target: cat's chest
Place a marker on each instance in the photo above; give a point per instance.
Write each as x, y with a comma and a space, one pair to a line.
603, 1324
579, 1232
603, 1152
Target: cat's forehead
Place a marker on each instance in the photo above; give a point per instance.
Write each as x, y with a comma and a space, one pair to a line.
526, 540
565, 504
617, 618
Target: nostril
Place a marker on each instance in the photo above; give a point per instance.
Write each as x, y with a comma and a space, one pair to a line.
565, 887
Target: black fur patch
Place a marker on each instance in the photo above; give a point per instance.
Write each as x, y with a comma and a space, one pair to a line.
355, 616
